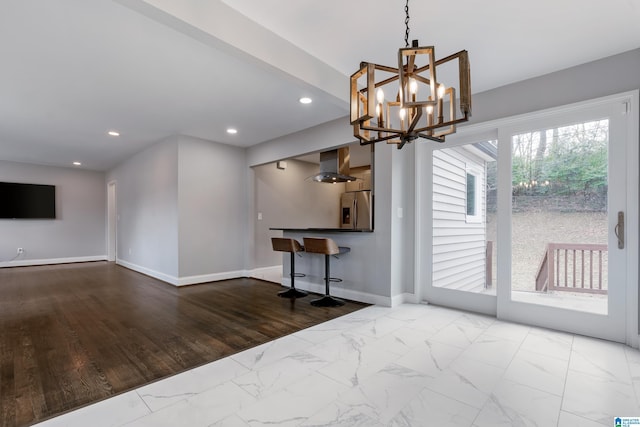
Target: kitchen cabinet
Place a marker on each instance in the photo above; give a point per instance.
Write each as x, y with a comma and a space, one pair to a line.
363, 182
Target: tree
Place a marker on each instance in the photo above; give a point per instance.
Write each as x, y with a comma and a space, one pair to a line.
565, 160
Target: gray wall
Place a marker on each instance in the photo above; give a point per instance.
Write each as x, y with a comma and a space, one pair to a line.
147, 205
213, 207
615, 74
285, 199
183, 209
78, 231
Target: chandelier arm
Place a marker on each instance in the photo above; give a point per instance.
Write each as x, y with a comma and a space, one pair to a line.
379, 129
440, 61
422, 79
411, 64
432, 138
381, 83
444, 124
414, 122
376, 140
386, 68
449, 58
385, 81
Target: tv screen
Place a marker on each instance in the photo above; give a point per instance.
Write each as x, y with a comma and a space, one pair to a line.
27, 201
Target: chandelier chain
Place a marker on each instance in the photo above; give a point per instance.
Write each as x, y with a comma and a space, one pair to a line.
406, 24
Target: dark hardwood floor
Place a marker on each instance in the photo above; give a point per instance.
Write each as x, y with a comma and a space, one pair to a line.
74, 334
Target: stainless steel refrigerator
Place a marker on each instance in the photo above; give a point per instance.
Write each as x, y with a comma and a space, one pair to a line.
356, 210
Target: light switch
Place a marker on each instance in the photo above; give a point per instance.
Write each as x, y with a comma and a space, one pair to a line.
259, 216
400, 212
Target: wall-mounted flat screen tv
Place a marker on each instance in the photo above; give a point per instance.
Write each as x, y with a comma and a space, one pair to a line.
27, 201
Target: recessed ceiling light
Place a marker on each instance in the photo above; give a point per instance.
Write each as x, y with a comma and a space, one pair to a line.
113, 133
232, 131
77, 163
305, 100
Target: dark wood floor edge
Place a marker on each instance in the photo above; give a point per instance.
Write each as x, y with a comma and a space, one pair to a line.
41, 420
122, 331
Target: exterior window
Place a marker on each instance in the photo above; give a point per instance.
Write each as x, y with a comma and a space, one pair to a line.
474, 196
471, 194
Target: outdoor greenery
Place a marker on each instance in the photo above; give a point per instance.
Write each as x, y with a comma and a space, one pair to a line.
562, 161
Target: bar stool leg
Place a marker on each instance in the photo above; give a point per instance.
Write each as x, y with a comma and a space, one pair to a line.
292, 292
327, 300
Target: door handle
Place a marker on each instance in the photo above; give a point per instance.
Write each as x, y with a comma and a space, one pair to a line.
619, 230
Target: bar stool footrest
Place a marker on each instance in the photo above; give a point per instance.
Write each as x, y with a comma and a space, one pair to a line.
292, 293
327, 301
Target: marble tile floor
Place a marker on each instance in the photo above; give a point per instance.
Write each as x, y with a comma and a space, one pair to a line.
414, 365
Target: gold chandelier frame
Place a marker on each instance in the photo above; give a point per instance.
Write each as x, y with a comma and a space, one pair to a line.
420, 100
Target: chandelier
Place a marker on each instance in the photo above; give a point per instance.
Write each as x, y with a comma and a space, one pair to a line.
418, 109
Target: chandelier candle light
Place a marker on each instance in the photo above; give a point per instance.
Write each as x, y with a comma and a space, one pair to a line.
419, 107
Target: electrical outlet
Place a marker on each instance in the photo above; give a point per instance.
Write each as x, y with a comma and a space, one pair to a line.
20, 250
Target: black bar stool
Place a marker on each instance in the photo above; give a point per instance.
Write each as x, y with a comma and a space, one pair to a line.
326, 247
292, 246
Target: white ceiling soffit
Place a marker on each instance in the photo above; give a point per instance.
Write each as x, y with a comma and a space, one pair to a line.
220, 26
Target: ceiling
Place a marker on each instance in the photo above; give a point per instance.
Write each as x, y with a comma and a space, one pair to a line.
151, 69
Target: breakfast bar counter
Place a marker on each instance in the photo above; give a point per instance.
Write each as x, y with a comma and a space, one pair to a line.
355, 268
324, 230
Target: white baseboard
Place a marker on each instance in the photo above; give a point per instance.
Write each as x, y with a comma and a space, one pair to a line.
338, 292
405, 298
155, 274
270, 274
213, 277
29, 262
187, 280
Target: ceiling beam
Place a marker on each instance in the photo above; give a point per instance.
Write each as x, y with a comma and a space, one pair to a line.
222, 27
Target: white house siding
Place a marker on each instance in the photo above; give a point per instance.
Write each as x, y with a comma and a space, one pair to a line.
458, 245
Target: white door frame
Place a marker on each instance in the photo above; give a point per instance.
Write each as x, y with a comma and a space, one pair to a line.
489, 130
112, 222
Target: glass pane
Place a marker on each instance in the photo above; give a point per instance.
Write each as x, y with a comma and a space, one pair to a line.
471, 194
464, 207
559, 216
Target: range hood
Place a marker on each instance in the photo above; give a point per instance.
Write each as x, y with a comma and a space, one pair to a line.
334, 167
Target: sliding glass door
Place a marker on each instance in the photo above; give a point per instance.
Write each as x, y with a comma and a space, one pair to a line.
563, 185
534, 218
